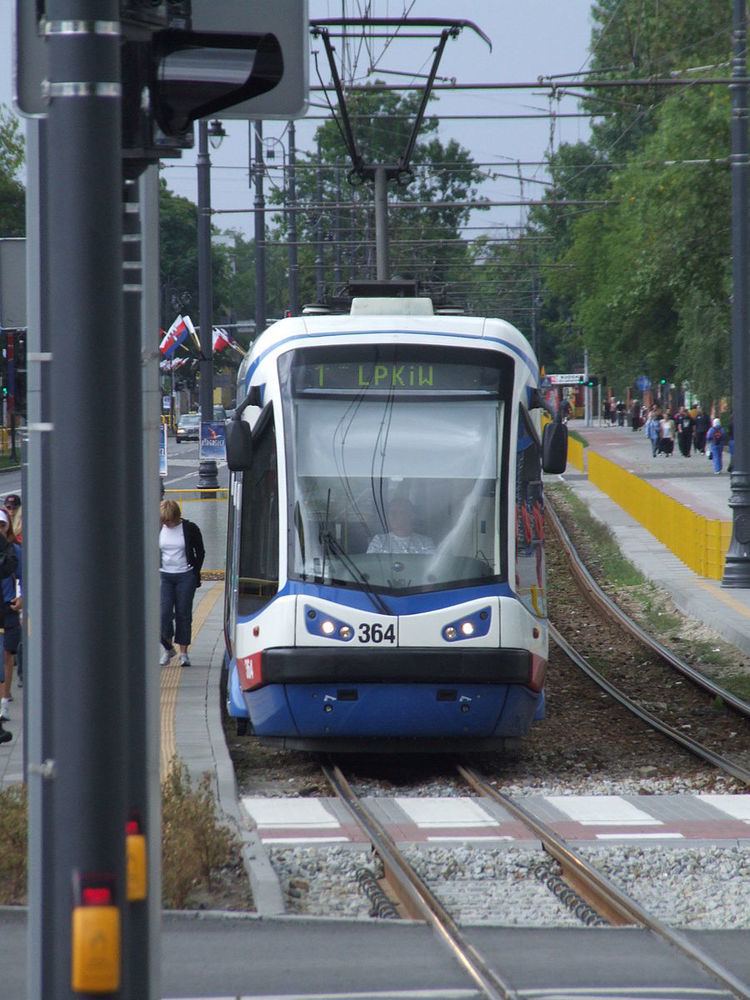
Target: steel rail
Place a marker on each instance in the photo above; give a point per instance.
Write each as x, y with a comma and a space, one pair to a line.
698, 749
601, 887
412, 889
613, 610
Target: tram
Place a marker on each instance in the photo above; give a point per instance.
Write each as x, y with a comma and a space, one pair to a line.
385, 584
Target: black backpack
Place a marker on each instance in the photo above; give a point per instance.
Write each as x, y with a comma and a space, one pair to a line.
8, 559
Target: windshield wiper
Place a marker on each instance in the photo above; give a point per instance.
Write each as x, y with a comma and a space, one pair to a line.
300, 535
330, 543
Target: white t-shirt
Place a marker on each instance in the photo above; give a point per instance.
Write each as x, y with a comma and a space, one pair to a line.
172, 545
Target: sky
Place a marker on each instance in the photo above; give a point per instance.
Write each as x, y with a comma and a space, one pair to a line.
530, 38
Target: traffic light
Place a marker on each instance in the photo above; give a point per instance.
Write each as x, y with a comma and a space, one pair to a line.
592, 381
662, 381
185, 75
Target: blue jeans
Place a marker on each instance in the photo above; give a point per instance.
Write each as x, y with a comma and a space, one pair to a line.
177, 590
716, 454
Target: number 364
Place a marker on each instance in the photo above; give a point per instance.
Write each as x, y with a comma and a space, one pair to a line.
377, 633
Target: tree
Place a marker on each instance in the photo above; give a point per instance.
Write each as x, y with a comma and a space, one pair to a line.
12, 194
426, 243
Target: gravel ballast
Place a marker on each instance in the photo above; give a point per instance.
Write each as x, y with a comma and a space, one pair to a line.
701, 888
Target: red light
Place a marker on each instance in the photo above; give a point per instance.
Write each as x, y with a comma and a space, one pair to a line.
96, 896
132, 827
537, 673
250, 671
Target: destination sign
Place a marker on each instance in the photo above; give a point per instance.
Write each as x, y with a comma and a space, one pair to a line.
571, 378
401, 376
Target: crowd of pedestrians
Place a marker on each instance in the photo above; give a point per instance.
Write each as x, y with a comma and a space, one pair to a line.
692, 430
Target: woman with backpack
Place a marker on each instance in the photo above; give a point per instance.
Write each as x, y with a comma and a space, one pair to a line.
715, 440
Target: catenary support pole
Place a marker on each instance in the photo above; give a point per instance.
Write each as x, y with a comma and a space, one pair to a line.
294, 301
737, 565
260, 230
381, 223
207, 471
85, 606
320, 290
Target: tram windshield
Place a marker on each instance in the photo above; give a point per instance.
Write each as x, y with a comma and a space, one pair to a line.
394, 465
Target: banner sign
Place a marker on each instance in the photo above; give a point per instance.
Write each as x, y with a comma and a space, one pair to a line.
213, 440
163, 451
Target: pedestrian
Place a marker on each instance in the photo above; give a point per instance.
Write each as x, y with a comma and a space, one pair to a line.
666, 435
566, 410
684, 424
653, 430
620, 413
13, 506
635, 415
730, 467
181, 557
10, 592
613, 411
700, 429
715, 440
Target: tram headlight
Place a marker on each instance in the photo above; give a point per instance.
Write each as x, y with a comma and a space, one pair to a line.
472, 626
325, 625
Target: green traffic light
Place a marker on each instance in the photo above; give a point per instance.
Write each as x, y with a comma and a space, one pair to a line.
662, 381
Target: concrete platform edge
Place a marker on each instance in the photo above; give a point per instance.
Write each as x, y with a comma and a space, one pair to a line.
694, 596
266, 888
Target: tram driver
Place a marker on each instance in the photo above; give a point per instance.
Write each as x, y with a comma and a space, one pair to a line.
401, 537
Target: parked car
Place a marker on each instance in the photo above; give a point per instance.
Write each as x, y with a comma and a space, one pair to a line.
189, 427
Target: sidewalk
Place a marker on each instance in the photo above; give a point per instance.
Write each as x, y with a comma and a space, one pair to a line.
691, 482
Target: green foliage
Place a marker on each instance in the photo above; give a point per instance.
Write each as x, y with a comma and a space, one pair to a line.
13, 825
425, 242
195, 846
178, 239
12, 194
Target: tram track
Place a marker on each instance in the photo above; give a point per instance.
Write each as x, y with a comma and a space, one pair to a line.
613, 905
655, 673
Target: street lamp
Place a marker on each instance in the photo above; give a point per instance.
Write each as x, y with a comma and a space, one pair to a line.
208, 478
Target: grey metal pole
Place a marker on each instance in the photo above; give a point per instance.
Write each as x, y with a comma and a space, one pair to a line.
337, 233
136, 957
381, 223
208, 478
737, 564
294, 301
260, 232
37, 499
320, 288
151, 390
86, 642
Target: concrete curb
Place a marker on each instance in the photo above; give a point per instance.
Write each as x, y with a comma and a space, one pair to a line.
265, 885
696, 597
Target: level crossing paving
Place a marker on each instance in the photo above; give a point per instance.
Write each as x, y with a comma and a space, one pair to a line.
686, 819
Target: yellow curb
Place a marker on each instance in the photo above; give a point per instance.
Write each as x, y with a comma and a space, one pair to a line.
721, 595
170, 681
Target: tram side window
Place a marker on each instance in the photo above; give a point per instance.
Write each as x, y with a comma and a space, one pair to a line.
259, 544
530, 568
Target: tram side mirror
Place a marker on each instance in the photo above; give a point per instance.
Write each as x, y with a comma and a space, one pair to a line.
239, 443
554, 447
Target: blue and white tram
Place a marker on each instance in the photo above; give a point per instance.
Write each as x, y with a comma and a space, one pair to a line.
385, 576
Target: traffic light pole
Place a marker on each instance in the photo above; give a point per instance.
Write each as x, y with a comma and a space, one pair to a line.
84, 662
737, 565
